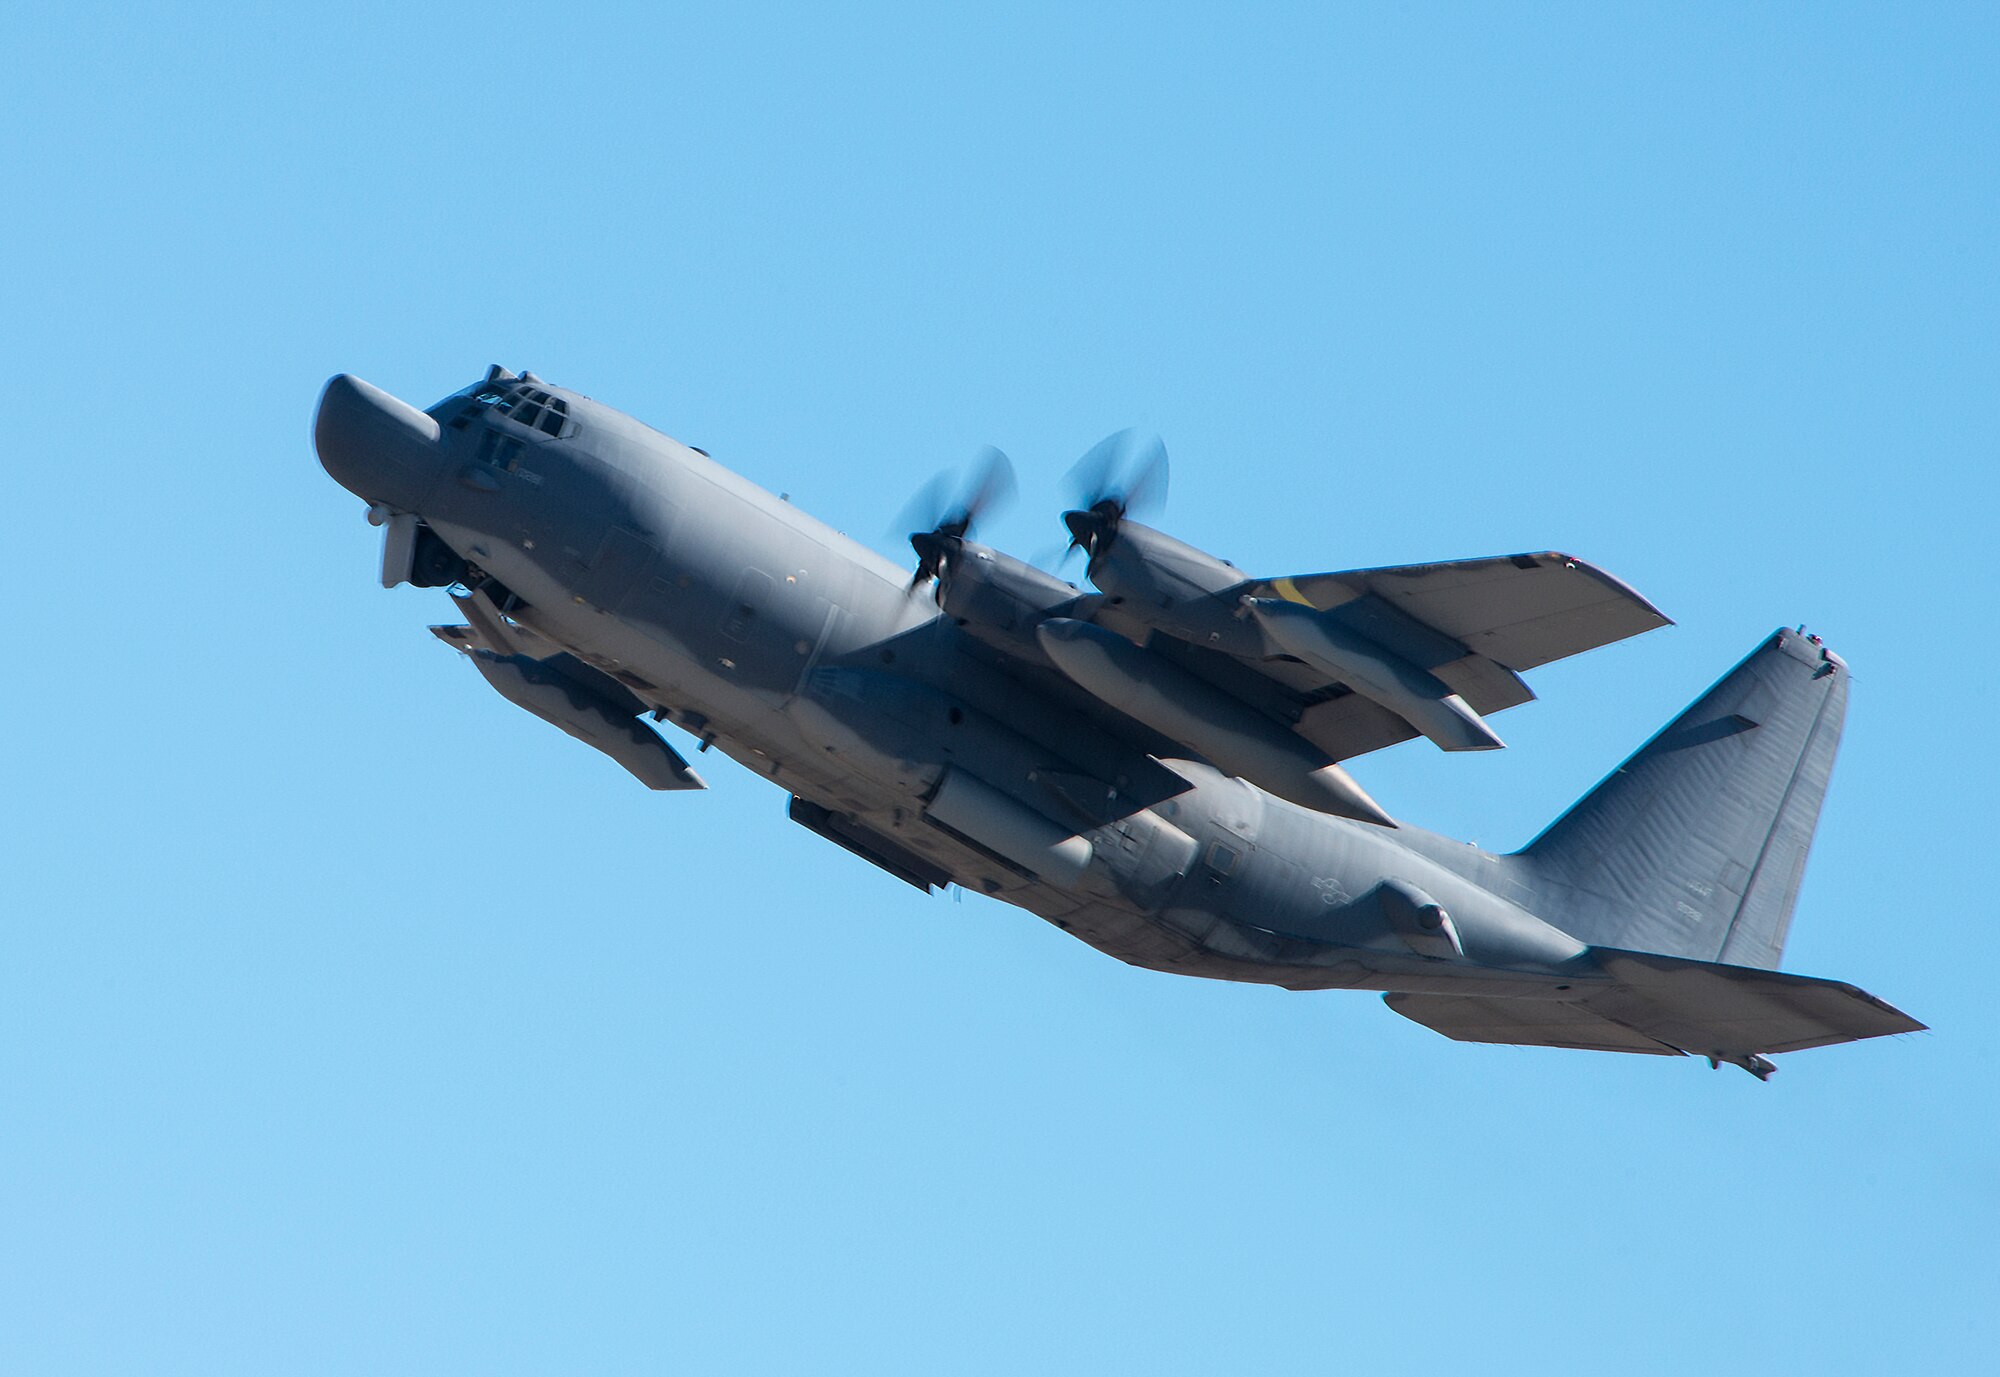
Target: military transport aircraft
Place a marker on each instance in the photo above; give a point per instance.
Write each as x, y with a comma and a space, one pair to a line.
1154, 767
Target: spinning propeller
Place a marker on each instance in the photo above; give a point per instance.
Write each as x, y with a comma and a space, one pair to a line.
1122, 474
947, 507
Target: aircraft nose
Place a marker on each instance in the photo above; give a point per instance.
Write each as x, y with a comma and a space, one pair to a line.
377, 446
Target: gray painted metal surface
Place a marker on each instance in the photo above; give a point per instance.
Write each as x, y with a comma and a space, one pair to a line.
1154, 767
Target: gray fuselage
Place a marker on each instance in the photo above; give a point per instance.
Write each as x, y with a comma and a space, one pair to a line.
804, 656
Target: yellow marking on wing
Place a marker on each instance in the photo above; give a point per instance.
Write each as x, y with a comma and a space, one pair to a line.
1289, 591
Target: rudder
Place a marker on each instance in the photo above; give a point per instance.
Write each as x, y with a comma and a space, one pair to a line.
1696, 846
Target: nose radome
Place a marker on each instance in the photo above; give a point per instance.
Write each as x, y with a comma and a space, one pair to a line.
377, 446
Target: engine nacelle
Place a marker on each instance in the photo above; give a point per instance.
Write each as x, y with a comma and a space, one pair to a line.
1143, 565
986, 589
1171, 586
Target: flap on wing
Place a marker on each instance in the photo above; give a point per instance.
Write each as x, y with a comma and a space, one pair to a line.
1516, 610
1351, 725
1524, 1023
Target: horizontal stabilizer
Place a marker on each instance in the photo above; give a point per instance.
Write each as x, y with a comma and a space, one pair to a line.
1663, 1005
1714, 1010
1523, 1023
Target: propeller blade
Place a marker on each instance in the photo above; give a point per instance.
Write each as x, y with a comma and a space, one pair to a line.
1053, 559
1127, 468
994, 485
1146, 483
1122, 473
925, 509
944, 510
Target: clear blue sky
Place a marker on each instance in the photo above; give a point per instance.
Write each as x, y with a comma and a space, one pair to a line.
353, 1021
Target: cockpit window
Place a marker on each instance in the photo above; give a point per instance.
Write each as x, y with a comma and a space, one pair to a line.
531, 406
459, 408
499, 451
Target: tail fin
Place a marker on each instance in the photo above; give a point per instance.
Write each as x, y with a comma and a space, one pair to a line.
1696, 845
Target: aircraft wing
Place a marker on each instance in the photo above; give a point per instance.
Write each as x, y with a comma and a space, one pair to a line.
1464, 628
1517, 611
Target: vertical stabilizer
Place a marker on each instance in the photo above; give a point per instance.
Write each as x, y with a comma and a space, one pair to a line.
1696, 845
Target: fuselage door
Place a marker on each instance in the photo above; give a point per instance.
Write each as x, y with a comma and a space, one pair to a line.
752, 599
620, 559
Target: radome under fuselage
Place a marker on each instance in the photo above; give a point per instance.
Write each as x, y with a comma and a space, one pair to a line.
790, 647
